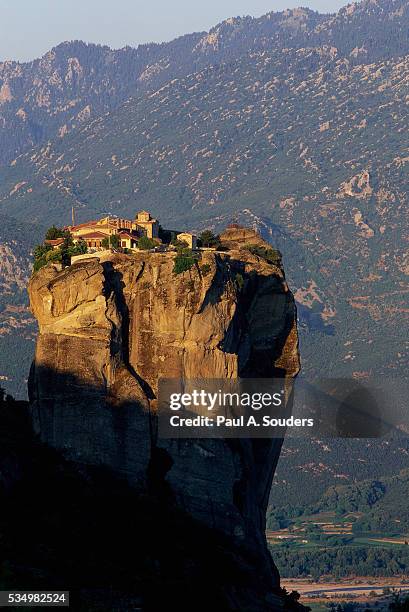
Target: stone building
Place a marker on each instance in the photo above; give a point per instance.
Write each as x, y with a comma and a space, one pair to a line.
190, 239
146, 224
128, 240
93, 239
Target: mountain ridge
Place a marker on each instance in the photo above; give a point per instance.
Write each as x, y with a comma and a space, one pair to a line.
76, 81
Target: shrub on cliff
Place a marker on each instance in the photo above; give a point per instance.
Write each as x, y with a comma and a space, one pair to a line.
239, 281
205, 269
184, 260
270, 255
399, 603
44, 253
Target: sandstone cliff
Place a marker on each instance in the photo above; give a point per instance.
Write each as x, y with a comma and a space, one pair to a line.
110, 328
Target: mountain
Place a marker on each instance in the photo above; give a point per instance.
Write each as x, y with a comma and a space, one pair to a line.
294, 122
17, 325
75, 82
308, 468
69, 85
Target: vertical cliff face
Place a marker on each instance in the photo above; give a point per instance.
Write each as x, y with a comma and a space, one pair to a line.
110, 328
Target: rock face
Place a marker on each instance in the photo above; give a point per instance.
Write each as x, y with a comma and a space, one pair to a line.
111, 327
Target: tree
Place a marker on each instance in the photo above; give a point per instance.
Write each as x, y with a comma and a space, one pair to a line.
399, 604
145, 244
44, 253
208, 239
205, 269
5, 397
113, 242
270, 255
40, 250
179, 244
54, 232
40, 255
239, 281
78, 248
314, 532
54, 256
68, 249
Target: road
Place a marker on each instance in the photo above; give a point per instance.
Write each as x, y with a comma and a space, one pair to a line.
361, 589
306, 589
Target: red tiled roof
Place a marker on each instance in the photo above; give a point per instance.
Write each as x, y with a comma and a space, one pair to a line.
73, 228
93, 235
127, 235
54, 242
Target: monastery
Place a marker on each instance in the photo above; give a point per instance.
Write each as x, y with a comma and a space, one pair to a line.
128, 231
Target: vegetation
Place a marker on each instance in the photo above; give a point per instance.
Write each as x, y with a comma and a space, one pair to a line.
5, 397
270, 255
144, 243
54, 232
113, 242
399, 603
343, 606
208, 239
290, 599
205, 269
375, 505
44, 253
341, 561
352, 529
184, 260
239, 281
68, 249
179, 244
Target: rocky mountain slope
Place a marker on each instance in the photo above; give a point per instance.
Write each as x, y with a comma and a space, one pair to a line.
110, 328
17, 325
76, 82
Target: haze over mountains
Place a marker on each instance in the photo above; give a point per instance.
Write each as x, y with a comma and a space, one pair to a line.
295, 122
